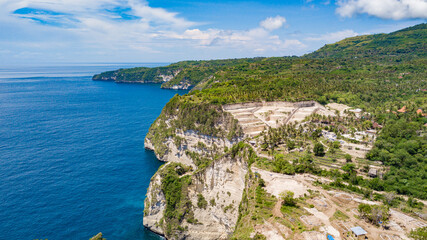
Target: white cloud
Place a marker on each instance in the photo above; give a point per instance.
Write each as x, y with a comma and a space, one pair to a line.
333, 37
293, 43
78, 9
96, 31
273, 23
388, 9
255, 40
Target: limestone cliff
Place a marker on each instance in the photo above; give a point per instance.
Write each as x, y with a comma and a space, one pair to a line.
196, 194
139, 75
208, 202
193, 134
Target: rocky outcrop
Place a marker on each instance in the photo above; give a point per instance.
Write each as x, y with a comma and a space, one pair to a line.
155, 204
215, 193
139, 75
97, 237
182, 86
204, 176
221, 185
191, 142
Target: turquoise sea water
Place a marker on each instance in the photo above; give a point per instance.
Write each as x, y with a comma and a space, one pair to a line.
72, 161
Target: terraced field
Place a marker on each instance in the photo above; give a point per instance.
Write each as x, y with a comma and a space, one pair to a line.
258, 116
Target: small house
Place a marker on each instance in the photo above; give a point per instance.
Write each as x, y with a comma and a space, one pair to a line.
373, 173
359, 232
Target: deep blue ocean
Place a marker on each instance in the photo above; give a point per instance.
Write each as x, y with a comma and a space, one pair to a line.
72, 157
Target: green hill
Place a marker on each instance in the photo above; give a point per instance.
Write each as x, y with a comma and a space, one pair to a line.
389, 74
184, 74
408, 42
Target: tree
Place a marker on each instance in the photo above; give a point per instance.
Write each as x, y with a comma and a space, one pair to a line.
283, 166
291, 144
319, 149
374, 213
317, 133
379, 214
389, 197
336, 144
288, 199
349, 167
261, 182
348, 158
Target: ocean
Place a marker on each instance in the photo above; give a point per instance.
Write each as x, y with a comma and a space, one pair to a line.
72, 157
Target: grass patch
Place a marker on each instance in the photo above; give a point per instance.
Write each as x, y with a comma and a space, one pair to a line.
338, 215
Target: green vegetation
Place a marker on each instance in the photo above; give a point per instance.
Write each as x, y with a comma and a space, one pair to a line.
288, 199
340, 216
408, 42
319, 149
419, 233
259, 236
185, 72
201, 201
139, 74
348, 157
379, 74
373, 213
402, 145
178, 205
255, 208
181, 115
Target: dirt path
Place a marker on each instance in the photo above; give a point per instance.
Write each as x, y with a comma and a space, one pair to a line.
276, 210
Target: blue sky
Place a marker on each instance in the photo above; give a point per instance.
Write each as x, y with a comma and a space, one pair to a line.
73, 31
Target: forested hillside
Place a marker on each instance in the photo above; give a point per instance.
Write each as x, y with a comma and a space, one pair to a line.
407, 43
374, 83
176, 74
383, 76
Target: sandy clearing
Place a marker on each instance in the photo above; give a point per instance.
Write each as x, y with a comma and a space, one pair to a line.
268, 230
319, 215
351, 148
277, 183
332, 231
313, 235
337, 106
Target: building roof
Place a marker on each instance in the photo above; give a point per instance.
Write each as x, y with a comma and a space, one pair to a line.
373, 172
330, 237
357, 110
359, 231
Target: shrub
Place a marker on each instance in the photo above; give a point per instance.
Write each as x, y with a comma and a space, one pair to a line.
419, 233
319, 149
201, 201
288, 198
374, 213
348, 157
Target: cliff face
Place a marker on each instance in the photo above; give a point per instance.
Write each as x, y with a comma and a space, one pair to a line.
196, 194
213, 196
221, 185
139, 75
192, 145
155, 204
